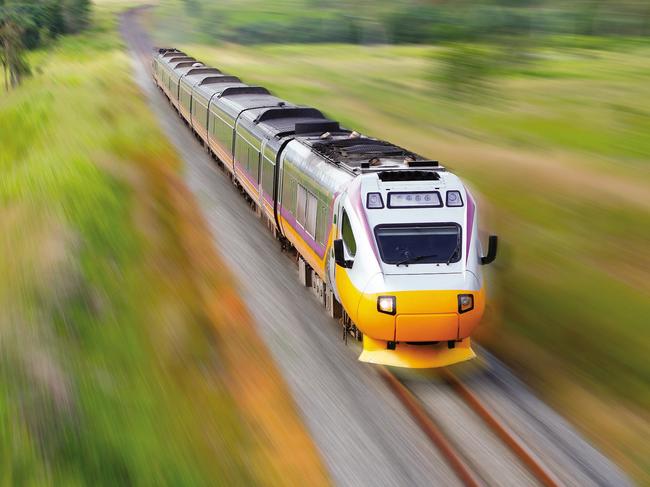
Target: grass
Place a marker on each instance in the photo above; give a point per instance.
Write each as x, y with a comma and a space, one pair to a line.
126, 356
559, 152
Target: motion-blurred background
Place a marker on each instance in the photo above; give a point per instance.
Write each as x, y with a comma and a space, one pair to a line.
542, 105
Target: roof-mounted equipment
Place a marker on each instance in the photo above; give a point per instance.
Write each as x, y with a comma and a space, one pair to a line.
173, 53
423, 163
288, 112
184, 64
390, 176
243, 90
203, 70
219, 79
178, 59
317, 127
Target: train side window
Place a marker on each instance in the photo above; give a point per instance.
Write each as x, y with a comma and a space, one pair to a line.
222, 133
253, 162
288, 195
307, 210
321, 223
242, 152
311, 214
301, 205
267, 175
348, 235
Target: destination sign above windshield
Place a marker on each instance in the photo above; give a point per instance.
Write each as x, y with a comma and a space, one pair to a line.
417, 199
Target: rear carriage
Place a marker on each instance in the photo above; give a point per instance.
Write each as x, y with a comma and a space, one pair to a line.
166, 67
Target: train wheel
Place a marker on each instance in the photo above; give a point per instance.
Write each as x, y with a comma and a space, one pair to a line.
333, 307
304, 273
358, 335
346, 322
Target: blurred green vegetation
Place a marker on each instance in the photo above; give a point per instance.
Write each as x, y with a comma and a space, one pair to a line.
113, 370
410, 21
557, 147
27, 24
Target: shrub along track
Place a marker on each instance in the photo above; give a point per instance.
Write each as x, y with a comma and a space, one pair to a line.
363, 431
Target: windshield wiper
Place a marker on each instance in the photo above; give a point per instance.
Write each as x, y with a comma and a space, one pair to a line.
453, 254
458, 242
411, 260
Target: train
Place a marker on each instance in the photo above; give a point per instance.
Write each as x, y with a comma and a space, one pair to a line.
387, 239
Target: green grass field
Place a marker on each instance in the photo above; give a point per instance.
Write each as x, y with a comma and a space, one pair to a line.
559, 153
113, 369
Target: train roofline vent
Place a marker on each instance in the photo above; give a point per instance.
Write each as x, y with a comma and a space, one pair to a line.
177, 59
172, 53
204, 70
210, 80
184, 64
303, 128
422, 163
166, 50
243, 90
289, 112
408, 175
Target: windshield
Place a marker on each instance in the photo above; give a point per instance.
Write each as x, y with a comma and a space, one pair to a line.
421, 243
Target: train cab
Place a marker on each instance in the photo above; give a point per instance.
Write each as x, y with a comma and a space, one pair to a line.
407, 265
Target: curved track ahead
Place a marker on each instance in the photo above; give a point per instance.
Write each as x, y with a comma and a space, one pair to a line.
365, 435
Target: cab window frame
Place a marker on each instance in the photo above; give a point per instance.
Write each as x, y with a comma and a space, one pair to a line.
352, 250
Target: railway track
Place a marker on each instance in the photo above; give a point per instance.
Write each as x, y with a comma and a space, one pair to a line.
457, 461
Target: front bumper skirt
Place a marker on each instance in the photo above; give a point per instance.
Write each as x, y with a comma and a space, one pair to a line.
415, 356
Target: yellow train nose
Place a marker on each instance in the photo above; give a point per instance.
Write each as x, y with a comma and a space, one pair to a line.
432, 327
419, 316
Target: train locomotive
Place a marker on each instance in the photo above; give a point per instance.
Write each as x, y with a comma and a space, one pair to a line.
387, 239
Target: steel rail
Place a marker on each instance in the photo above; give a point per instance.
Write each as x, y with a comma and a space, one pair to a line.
521, 451
430, 429
445, 446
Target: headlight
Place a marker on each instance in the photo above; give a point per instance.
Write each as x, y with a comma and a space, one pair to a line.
387, 304
465, 303
374, 201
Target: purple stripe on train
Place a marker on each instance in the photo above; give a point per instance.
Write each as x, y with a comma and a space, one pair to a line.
246, 174
317, 247
357, 202
313, 244
470, 222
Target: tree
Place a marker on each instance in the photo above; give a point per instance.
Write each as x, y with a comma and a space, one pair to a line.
76, 15
3, 62
12, 50
26, 24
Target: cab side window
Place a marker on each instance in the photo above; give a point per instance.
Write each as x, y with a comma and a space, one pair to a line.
347, 235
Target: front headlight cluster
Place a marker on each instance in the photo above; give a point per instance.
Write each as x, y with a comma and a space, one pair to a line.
387, 304
465, 303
